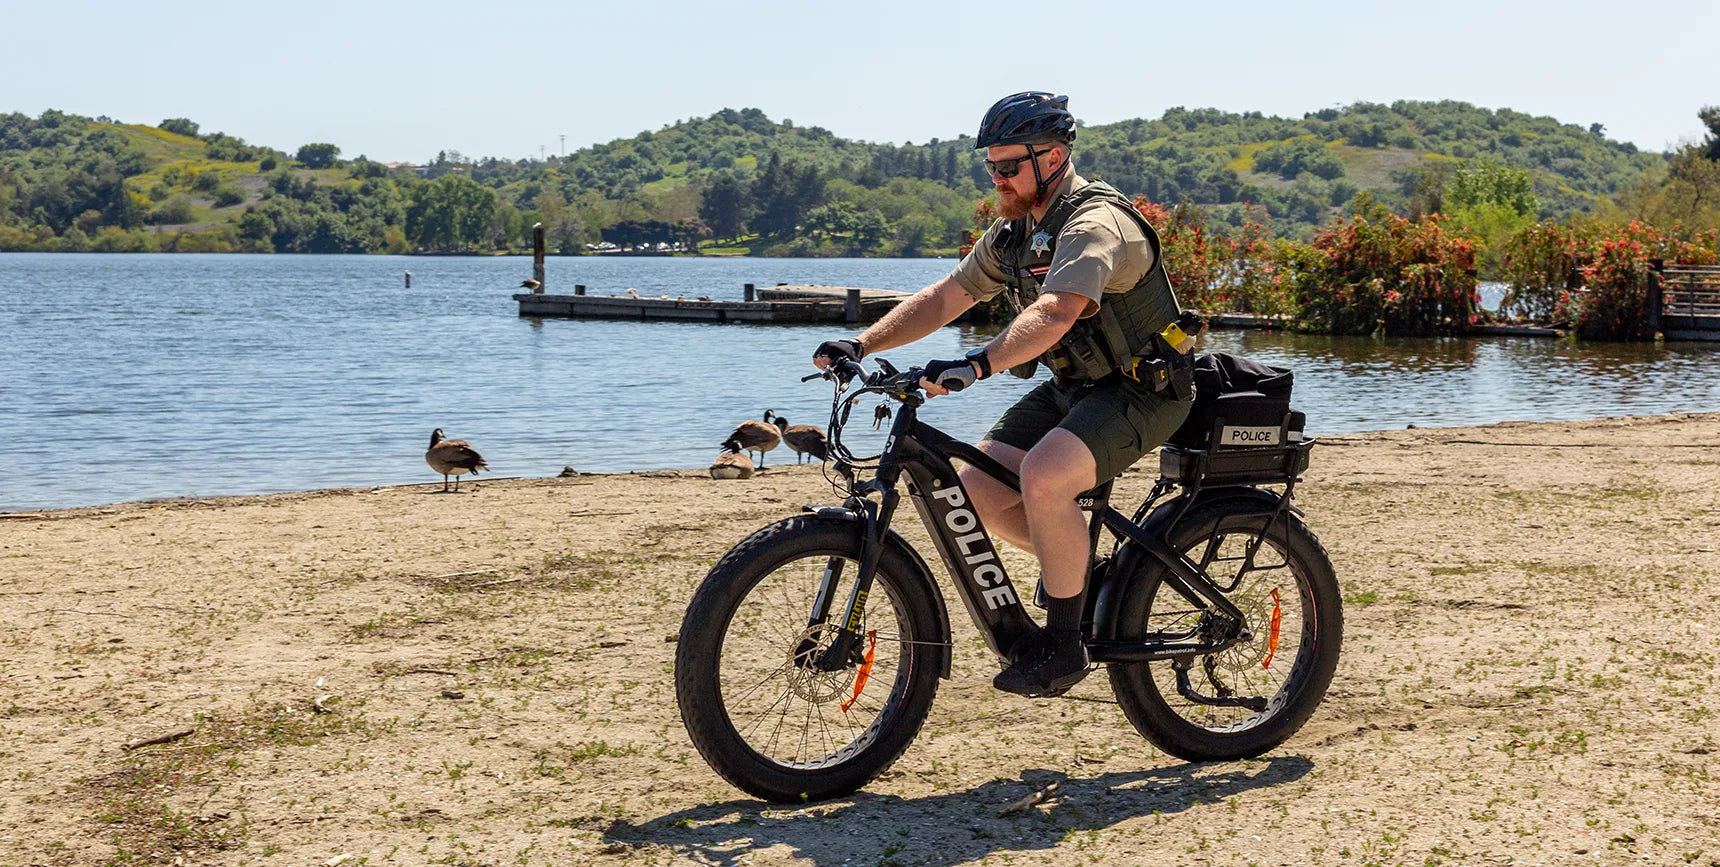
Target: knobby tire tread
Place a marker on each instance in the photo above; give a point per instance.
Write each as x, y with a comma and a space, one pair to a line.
1161, 724
724, 589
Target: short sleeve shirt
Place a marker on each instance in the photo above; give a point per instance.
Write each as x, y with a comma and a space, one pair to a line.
1100, 250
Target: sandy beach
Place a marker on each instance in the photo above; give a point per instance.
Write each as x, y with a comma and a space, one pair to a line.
398, 676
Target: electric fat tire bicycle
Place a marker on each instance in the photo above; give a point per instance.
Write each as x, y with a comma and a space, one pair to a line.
809, 655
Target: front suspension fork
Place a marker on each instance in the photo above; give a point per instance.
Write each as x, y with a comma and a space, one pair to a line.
841, 652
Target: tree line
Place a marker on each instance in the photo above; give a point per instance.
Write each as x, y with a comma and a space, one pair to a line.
741, 181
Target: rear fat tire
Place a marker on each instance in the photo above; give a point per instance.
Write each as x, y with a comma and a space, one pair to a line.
900, 585
1149, 708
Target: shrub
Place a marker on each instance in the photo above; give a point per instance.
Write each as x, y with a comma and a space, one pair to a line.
1260, 271
1377, 272
1193, 261
1218, 273
1541, 266
1612, 303
318, 155
180, 125
228, 195
174, 210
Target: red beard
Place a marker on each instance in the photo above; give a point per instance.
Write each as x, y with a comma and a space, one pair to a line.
1013, 206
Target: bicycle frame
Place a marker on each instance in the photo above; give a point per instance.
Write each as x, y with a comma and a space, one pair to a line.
924, 454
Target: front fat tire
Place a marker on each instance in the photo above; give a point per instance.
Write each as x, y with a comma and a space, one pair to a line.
1141, 697
698, 658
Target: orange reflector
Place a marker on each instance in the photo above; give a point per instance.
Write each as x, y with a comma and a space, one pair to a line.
1272, 631
865, 670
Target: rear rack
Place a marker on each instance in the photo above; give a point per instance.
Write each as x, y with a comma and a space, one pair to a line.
1205, 468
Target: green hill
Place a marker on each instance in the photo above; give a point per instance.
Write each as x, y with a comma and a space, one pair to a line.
69, 182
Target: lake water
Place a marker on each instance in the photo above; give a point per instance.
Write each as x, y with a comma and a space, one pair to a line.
144, 376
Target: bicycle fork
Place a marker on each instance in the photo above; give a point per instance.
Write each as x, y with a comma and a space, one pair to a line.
844, 647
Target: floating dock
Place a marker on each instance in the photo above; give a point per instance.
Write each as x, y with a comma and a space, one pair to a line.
771, 305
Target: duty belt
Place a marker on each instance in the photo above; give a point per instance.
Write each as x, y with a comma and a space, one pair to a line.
1164, 369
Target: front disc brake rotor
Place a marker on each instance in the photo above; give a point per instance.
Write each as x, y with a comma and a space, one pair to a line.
806, 681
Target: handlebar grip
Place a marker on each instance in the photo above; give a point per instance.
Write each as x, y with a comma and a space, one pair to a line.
955, 378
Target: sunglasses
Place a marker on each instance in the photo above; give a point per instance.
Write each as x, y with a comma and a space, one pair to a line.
1011, 167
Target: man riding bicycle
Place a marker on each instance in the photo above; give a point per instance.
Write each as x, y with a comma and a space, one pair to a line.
1083, 271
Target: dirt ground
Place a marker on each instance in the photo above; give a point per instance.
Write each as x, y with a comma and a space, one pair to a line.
398, 676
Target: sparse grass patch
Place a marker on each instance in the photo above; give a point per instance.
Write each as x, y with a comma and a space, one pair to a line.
600, 749
1361, 597
1463, 569
135, 802
577, 571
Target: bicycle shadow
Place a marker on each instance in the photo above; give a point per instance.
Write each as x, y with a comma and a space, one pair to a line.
954, 827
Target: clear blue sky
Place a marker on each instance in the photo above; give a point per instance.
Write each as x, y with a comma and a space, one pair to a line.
401, 81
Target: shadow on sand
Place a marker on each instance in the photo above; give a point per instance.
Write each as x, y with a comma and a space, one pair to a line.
953, 827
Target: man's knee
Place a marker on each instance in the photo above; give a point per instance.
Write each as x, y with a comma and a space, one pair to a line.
1057, 469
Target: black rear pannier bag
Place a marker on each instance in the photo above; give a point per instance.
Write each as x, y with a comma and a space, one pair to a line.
1238, 403
1241, 428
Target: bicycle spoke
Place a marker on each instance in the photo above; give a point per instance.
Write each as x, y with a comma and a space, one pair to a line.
784, 710
1238, 668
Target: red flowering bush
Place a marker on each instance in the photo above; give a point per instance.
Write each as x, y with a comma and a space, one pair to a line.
1378, 272
1192, 259
984, 214
1218, 273
1612, 303
1542, 266
1260, 271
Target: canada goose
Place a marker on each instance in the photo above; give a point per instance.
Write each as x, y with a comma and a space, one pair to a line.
732, 464
529, 284
756, 436
452, 458
804, 439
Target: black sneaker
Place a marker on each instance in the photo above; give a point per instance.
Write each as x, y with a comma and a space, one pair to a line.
1046, 665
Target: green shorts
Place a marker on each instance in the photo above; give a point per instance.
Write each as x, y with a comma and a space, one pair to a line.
1118, 418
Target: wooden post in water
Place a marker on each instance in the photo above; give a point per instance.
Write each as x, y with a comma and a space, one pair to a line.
851, 306
579, 288
537, 257
747, 292
1656, 294
409, 279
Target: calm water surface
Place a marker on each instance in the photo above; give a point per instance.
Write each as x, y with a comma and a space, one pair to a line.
134, 377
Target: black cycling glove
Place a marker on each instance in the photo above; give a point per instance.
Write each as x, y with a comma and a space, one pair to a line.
840, 350
953, 375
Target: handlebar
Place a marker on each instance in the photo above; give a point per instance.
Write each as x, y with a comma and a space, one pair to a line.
898, 385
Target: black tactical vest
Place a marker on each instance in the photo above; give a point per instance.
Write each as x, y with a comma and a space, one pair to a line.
1126, 323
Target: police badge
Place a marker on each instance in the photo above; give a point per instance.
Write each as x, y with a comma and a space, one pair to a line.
1041, 241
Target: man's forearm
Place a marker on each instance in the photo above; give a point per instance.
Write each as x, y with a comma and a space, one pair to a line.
1035, 330
920, 314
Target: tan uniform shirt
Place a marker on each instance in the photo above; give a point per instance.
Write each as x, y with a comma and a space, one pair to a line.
1098, 251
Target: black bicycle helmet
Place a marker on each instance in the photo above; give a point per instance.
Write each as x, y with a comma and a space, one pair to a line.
1029, 117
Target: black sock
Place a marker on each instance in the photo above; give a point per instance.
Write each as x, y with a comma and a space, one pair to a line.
1063, 615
